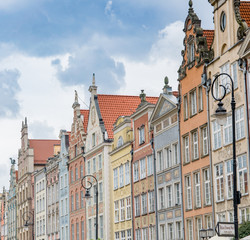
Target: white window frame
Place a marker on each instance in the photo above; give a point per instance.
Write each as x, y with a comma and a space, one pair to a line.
116, 205
128, 208
177, 193
127, 173
216, 135
167, 151
137, 206
242, 174
239, 123
142, 168
169, 196
115, 173
219, 182
204, 141
160, 160
229, 178
150, 165
136, 171
197, 187
193, 102
207, 190
141, 135
121, 176
122, 210
227, 130
144, 208
188, 192
195, 149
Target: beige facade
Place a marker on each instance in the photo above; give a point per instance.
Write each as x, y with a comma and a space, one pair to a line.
229, 29
120, 200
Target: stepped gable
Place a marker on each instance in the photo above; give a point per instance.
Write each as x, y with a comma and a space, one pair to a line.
245, 11
85, 114
43, 149
209, 34
114, 106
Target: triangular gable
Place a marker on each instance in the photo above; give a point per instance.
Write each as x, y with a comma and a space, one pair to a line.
163, 106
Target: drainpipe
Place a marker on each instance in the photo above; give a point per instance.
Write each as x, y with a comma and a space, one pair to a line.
180, 167
206, 85
132, 199
156, 189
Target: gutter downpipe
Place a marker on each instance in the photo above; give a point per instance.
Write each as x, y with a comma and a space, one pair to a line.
156, 190
181, 182
207, 87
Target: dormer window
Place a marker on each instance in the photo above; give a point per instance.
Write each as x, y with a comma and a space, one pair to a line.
223, 21
142, 134
191, 52
120, 141
93, 139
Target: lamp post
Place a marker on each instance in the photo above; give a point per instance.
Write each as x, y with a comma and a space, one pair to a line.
221, 115
206, 233
87, 196
29, 221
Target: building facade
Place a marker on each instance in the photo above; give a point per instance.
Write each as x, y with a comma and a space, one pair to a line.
64, 185
32, 157
230, 28
194, 129
164, 121
76, 166
12, 203
40, 218
143, 194
120, 200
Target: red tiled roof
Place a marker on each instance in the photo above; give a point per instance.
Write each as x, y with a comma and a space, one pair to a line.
245, 11
209, 34
85, 114
43, 149
114, 106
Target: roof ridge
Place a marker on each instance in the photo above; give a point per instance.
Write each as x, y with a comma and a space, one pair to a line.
120, 95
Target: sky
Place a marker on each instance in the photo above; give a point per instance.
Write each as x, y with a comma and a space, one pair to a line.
49, 48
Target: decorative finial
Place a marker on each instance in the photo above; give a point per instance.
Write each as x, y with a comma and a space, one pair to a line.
167, 89
143, 96
190, 10
26, 121
76, 97
166, 80
190, 3
93, 80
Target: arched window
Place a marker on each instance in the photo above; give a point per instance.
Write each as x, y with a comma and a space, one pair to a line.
120, 141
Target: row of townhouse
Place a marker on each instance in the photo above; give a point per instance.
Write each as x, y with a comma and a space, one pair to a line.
156, 167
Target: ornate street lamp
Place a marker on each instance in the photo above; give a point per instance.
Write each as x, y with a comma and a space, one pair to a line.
28, 221
88, 196
206, 233
221, 115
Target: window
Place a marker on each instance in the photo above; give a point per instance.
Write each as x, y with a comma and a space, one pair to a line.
143, 168
161, 198
138, 234
170, 231
197, 189
244, 215
198, 227
141, 134
144, 203
191, 52
93, 139
221, 217
144, 234
234, 70
240, 129
169, 196
136, 171
66, 205
223, 21
208, 221
216, 135
77, 232
71, 175
204, 141
116, 211
200, 98
177, 194
207, 193
94, 165
82, 230
175, 154
185, 103
88, 167
188, 192
76, 173
219, 182
128, 208
168, 157
224, 80
186, 149
72, 203
120, 142
61, 182
100, 161
90, 229
228, 131
151, 201
129, 234
150, 165
151, 234
77, 201
137, 206
123, 235
229, 178
115, 171
122, 209
242, 174
100, 192
195, 145
160, 160
75, 150
193, 103
178, 230
121, 174
117, 236
162, 231
101, 227
72, 231
231, 216
189, 229
81, 170
127, 173
82, 199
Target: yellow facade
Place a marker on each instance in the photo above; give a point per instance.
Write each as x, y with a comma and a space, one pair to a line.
121, 189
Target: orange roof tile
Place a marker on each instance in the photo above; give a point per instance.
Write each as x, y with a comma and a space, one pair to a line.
209, 34
114, 106
245, 11
43, 149
85, 114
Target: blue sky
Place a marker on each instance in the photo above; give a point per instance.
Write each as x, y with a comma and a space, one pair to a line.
49, 48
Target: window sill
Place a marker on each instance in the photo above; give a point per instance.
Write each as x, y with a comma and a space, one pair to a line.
191, 116
220, 201
141, 143
196, 159
188, 210
204, 155
185, 163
